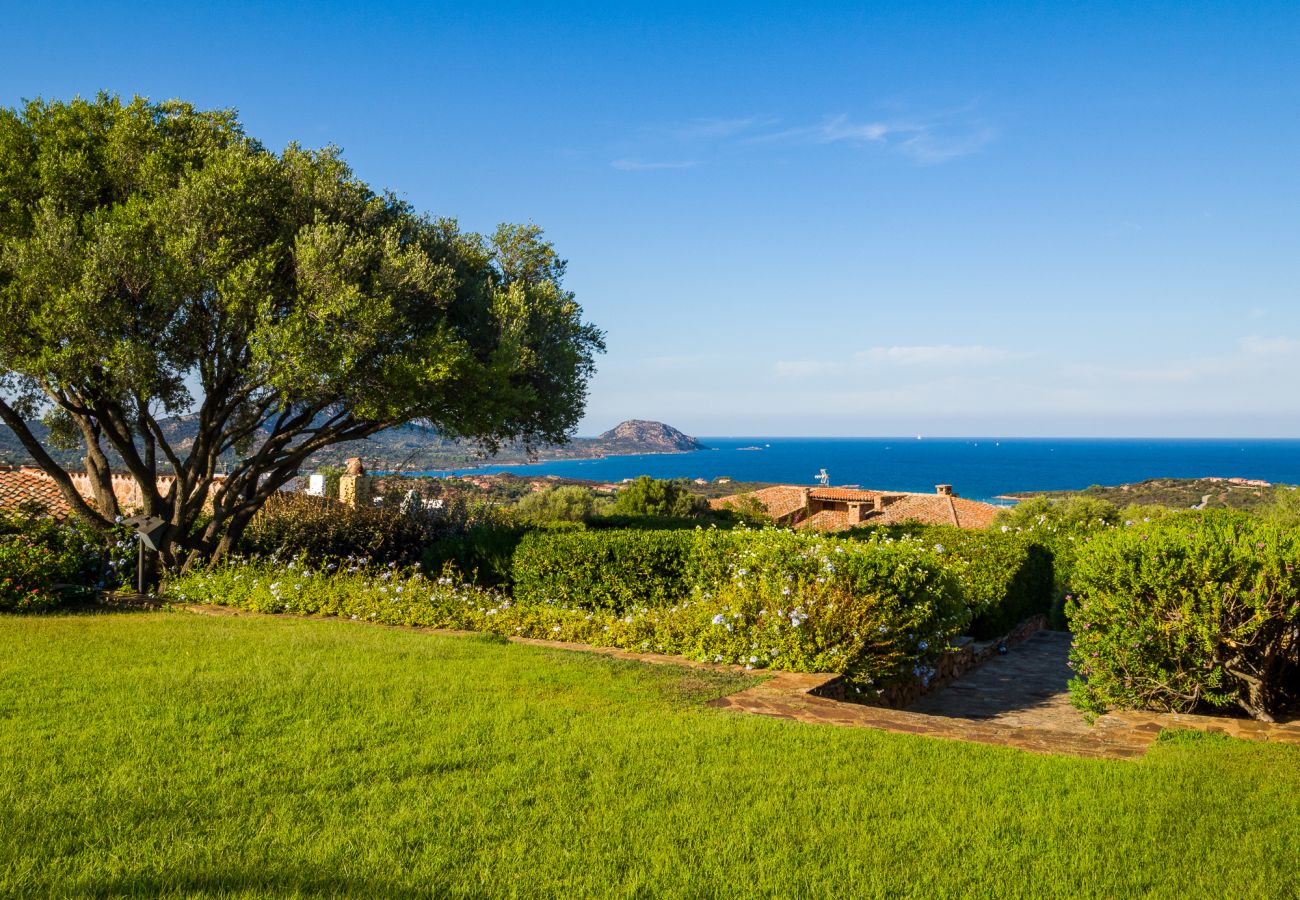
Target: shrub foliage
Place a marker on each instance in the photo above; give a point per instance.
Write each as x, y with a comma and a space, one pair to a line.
1193, 610
611, 570
1005, 577
871, 639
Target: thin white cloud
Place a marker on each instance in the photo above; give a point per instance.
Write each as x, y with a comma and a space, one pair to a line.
716, 128
925, 140
928, 148
803, 368
1256, 345
934, 355
643, 165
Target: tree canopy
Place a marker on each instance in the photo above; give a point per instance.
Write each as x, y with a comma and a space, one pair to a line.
156, 261
647, 496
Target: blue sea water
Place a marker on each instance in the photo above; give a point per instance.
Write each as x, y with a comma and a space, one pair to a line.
979, 468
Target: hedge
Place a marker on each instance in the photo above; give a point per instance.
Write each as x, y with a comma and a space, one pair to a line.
1005, 577
610, 570
872, 638
1186, 612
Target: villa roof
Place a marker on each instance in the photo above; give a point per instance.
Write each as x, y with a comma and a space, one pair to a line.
825, 520
781, 500
853, 494
936, 509
20, 488
898, 507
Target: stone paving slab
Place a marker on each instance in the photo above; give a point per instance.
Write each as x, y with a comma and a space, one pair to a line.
1018, 700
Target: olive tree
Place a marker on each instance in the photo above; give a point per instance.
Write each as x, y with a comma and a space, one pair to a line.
160, 267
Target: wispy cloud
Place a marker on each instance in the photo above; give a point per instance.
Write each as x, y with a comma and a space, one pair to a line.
716, 128
928, 139
934, 355
1269, 346
925, 140
803, 368
647, 165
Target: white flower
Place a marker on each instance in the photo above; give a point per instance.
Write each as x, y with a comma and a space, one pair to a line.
719, 619
556, 628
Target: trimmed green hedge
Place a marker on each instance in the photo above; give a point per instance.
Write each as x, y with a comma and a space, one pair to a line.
1005, 577
1193, 610
609, 570
876, 615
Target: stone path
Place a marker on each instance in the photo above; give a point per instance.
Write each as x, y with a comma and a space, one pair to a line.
1026, 688
1017, 700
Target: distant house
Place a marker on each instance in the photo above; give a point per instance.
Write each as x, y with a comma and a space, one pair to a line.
30, 487
835, 509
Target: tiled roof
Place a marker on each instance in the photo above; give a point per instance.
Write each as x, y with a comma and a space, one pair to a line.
781, 501
936, 509
825, 520
854, 494
21, 488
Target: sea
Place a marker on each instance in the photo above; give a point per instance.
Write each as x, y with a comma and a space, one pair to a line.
978, 468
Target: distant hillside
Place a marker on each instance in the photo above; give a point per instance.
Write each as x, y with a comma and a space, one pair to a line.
640, 436
417, 448
1177, 493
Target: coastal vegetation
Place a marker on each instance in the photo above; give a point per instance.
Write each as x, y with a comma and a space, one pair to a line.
1178, 493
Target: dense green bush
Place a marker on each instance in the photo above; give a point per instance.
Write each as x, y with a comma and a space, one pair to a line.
566, 503
37, 553
612, 570
292, 525
1193, 610
873, 639
643, 523
648, 496
28, 572
1062, 526
484, 554
1005, 577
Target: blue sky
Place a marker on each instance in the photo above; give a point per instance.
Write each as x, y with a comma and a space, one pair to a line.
993, 219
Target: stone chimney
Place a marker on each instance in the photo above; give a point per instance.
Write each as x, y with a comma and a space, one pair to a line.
355, 488
944, 490
858, 511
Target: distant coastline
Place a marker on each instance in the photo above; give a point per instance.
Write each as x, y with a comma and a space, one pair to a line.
979, 469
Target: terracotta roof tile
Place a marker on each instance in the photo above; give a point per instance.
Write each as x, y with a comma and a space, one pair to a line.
781, 501
20, 488
829, 493
936, 509
825, 520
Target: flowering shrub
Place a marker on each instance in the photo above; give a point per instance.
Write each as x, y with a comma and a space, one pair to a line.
1188, 611
871, 638
613, 570
1005, 577
298, 524
28, 570
37, 553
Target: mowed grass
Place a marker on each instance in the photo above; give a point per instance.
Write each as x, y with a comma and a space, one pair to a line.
173, 754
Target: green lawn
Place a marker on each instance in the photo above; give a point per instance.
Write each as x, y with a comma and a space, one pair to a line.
176, 754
